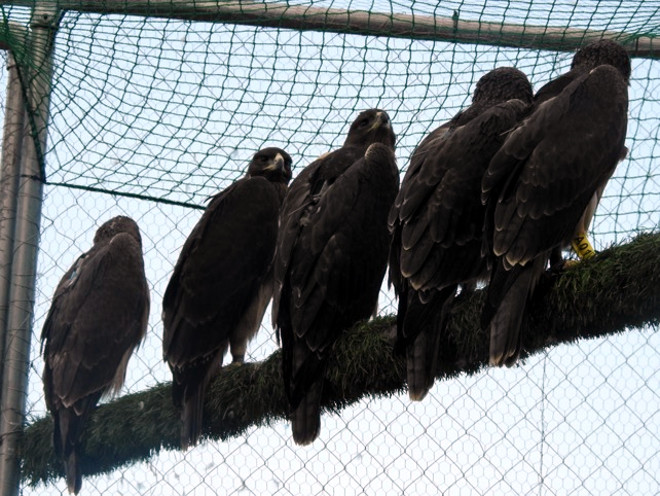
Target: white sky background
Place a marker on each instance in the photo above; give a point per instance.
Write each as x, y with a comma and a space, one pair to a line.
174, 110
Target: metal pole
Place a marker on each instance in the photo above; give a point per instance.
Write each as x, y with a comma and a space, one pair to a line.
306, 18
37, 78
9, 171
12, 35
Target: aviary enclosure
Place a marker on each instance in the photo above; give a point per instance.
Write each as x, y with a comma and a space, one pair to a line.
147, 108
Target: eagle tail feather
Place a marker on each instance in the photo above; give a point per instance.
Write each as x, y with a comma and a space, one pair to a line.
507, 320
425, 323
69, 423
306, 417
73, 475
191, 416
419, 381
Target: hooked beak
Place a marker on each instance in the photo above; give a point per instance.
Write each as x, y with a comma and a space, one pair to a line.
277, 163
381, 120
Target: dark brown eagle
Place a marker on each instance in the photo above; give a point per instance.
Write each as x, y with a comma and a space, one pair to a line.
222, 283
542, 187
331, 257
97, 317
437, 218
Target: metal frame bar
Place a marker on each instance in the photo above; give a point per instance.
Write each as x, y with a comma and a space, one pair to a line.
300, 17
12, 140
36, 79
12, 35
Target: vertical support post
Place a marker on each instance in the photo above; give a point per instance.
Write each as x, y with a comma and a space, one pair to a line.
37, 75
12, 141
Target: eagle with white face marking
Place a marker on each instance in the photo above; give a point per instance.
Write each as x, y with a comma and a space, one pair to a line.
331, 257
97, 317
222, 283
437, 219
542, 187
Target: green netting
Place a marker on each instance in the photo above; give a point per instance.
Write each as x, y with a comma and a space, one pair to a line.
170, 111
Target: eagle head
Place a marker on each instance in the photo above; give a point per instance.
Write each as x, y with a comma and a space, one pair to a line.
272, 163
371, 126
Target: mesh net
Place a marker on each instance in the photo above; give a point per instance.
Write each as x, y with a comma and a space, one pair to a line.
150, 116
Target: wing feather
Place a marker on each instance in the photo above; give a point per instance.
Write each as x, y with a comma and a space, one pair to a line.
220, 269
538, 205
335, 251
449, 179
98, 315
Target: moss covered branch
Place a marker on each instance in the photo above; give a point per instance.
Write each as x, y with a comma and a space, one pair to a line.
617, 290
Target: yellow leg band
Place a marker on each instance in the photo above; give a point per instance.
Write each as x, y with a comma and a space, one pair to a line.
582, 247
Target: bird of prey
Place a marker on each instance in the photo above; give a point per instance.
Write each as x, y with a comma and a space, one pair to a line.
592, 55
543, 185
222, 283
331, 257
97, 317
437, 218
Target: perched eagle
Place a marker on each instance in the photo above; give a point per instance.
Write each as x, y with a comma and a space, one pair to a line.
222, 283
437, 218
331, 257
542, 187
97, 317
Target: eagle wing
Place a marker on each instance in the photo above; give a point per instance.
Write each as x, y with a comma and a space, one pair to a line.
218, 291
437, 234
335, 254
441, 236
220, 269
540, 186
98, 315
302, 198
548, 169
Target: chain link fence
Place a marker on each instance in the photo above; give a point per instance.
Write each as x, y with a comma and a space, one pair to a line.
150, 116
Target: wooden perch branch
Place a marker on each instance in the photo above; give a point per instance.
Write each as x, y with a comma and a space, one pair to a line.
617, 290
